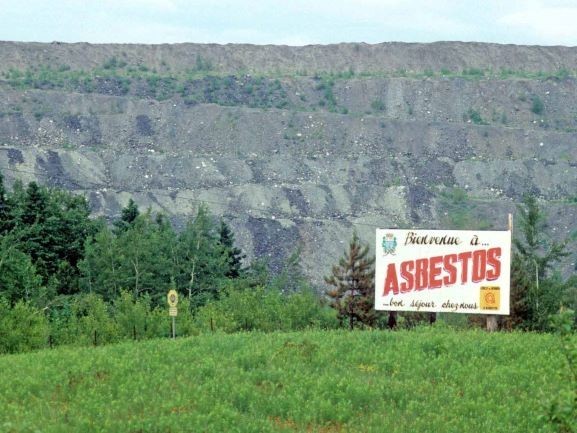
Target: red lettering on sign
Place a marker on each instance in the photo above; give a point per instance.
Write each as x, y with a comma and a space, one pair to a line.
391, 283
464, 259
438, 271
422, 274
493, 256
435, 272
450, 269
479, 265
406, 274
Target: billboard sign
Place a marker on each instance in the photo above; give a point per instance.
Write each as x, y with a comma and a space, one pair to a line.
449, 271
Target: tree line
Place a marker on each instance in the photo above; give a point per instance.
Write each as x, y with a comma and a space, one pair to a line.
67, 278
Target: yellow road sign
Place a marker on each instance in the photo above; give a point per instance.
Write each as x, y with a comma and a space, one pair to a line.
172, 311
172, 298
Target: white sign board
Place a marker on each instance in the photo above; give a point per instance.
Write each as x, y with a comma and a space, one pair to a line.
453, 271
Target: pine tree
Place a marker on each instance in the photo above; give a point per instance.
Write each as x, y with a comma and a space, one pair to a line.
127, 217
353, 282
234, 254
35, 204
51, 226
291, 278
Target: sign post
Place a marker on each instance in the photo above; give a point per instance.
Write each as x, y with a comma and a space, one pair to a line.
172, 298
453, 271
492, 325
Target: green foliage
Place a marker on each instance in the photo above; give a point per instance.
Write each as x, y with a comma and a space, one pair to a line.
474, 116
5, 205
535, 293
291, 278
203, 262
262, 309
131, 315
306, 381
201, 64
49, 226
474, 72
325, 85
138, 258
128, 216
90, 322
459, 210
378, 105
143, 256
18, 277
234, 255
537, 106
22, 327
562, 412
111, 63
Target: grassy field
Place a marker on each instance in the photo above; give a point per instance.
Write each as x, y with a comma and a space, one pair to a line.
428, 380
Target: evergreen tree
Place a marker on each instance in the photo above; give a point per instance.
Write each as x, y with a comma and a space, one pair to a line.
353, 282
234, 254
128, 216
51, 226
35, 204
535, 294
291, 278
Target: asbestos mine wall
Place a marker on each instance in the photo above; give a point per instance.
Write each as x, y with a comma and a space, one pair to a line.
421, 135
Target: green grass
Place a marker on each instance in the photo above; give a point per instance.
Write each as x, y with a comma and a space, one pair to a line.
428, 380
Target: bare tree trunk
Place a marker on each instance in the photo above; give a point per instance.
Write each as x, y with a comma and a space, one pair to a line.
191, 282
137, 278
351, 322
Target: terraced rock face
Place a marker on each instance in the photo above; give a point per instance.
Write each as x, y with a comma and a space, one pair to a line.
298, 145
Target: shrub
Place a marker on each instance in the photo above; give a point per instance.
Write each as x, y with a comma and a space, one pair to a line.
378, 105
22, 327
475, 117
90, 322
537, 105
131, 315
262, 309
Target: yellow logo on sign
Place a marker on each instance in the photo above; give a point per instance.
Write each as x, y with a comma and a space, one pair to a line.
172, 298
490, 297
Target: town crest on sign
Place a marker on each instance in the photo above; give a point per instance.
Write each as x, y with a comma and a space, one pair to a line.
389, 244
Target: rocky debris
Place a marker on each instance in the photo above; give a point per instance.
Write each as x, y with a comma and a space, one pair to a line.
290, 155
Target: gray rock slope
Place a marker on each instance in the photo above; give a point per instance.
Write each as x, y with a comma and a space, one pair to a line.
298, 145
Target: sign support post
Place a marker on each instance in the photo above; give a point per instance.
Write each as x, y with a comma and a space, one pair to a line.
172, 298
492, 324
